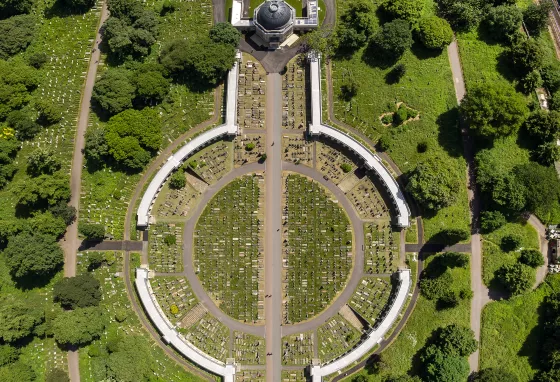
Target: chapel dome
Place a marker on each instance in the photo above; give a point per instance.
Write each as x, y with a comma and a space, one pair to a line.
274, 15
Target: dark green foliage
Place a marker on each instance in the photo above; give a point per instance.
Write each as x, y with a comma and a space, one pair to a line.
535, 17
64, 211
17, 372
33, 255
532, 258
491, 221
18, 319
93, 232
434, 288
249, 146
49, 112
8, 354
446, 369
527, 56
177, 180
77, 292
114, 91
225, 33
151, 87
551, 77
510, 242
170, 240
494, 375
79, 5
422, 147
543, 125
37, 59
395, 75
25, 127
547, 153
404, 9
200, 61
42, 161
550, 344
78, 327
133, 136
503, 22
542, 187
46, 223
348, 39
400, 116
127, 361
516, 278
448, 300
17, 33
531, 81
456, 340
346, 168
168, 6
403, 378
463, 14
10, 8
57, 375
96, 259
392, 40
359, 16
125, 9
434, 32
8, 150
349, 87
493, 110
17, 80
434, 183
45, 191
96, 148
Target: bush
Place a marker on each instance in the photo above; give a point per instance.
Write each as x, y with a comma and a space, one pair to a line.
503, 22
435, 32
532, 258
93, 232
8, 354
454, 235
250, 146
387, 119
456, 340
516, 278
42, 161
96, 259
494, 375
535, 17
346, 168
434, 288
225, 33
400, 116
77, 292
449, 300
422, 147
49, 112
174, 309
392, 40
491, 221
177, 180
404, 9
170, 240
37, 59
17, 33
510, 242
121, 315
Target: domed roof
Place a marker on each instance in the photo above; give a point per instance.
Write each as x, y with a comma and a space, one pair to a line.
274, 14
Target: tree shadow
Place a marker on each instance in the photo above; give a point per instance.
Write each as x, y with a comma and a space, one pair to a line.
33, 282
533, 344
59, 9
449, 133
504, 67
423, 53
373, 57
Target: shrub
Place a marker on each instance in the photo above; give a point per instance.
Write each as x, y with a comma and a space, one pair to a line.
170, 240
121, 315
450, 299
392, 40
250, 146
435, 32
93, 232
346, 168
77, 292
532, 258
174, 309
96, 259
177, 180
387, 119
37, 59
400, 116
516, 278
17, 33
510, 242
491, 221
404, 9
504, 22
454, 235
434, 288
422, 147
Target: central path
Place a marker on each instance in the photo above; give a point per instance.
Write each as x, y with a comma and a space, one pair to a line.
273, 229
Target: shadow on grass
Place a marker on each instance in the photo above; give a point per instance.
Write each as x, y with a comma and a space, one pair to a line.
449, 134
533, 344
59, 9
423, 53
32, 282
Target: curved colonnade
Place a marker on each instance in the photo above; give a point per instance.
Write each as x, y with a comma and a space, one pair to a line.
371, 161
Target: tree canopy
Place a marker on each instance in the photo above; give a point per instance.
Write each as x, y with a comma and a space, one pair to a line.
92, 231
42, 161
127, 363
503, 22
404, 9
456, 340
45, 191
435, 32
225, 33
434, 183
78, 327
17, 80
462, 14
17, 33
79, 5
494, 110
542, 187
57, 375
77, 292
114, 91
17, 372
535, 17
494, 375
9, 8
531, 257
527, 56
18, 319
392, 40
516, 278
33, 255
151, 87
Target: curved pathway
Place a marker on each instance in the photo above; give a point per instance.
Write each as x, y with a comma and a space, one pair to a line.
70, 242
543, 242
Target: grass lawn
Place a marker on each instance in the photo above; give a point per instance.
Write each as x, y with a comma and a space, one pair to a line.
493, 256
426, 87
424, 319
509, 334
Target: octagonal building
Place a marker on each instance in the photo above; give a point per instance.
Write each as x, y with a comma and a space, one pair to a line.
274, 22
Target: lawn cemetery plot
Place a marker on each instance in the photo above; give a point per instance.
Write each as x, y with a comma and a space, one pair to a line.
248, 349
371, 297
228, 249
293, 376
175, 204
336, 337
209, 335
297, 349
250, 375
368, 202
333, 164
212, 163
248, 148
174, 295
297, 149
381, 245
317, 253
251, 94
165, 247
294, 96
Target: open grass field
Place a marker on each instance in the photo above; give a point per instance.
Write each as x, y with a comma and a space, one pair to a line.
494, 257
228, 249
424, 319
317, 248
510, 335
115, 300
427, 87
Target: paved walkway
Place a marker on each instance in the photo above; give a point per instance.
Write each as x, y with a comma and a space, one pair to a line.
543, 242
70, 242
433, 248
111, 245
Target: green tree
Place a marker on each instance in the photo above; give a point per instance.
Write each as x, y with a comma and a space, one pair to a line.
447, 369
37, 59
114, 91
491, 221
9, 8
542, 187
17, 372
400, 116
349, 87
46, 223
454, 235
8, 149
8, 354
96, 148
359, 16
128, 362
463, 15
551, 77
45, 191
177, 180
527, 56
535, 17
92, 231
42, 161
49, 112
434, 288
17, 33
346, 167
531, 81
201, 60
435, 32
348, 39
516, 278
503, 22
33, 255
64, 211
404, 9
547, 153
77, 292
18, 319
543, 125
96, 259
393, 39
531, 257
510, 242
78, 327
151, 87
225, 33
57, 375
494, 110
25, 127
435, 183
79, 5
17, 80
456, 340
494, 375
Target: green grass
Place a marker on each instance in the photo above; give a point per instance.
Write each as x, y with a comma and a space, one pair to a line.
493, 257
336, 337
423, 321
427, 87
510, 335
